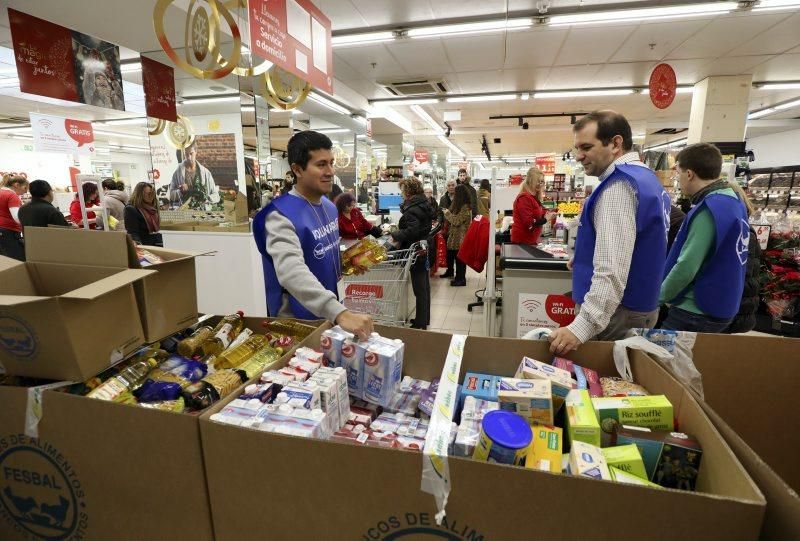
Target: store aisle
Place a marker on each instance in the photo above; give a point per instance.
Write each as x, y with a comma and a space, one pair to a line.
449, 305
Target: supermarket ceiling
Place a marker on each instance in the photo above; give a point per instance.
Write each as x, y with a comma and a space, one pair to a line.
522, 59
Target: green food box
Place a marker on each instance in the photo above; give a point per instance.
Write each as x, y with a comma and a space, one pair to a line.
624, 477
581, 420
626, 458
644, 411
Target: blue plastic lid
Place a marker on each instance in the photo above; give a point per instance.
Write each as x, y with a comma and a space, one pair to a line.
508, 429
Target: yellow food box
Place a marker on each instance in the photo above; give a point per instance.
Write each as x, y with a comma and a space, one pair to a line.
653, 412
581, 419
626, 458
588, 461
530, 398
544, 453
624, 477
560, 379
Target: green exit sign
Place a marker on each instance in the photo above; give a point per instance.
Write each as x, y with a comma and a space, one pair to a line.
27, 148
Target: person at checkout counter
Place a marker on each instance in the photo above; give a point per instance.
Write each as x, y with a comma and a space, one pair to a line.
621, 246
529, 214
298, 237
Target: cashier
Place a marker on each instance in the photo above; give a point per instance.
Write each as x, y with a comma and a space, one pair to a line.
529, 214
298, 237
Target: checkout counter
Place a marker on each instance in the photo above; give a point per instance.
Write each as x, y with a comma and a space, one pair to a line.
529, 270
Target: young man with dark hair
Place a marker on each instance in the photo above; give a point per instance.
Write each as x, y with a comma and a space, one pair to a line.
463, 178
705, 270
40, 212
622, 238
298, 237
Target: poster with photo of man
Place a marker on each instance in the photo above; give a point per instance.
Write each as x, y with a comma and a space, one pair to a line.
97, 73
208, 170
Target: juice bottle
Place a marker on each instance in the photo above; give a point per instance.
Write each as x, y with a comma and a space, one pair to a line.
233, 357
126, 381
211, 389
191, 346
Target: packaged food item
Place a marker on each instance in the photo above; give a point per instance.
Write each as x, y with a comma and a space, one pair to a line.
310, 355
588, 461
276, 376
363, 255
585, 378
291, 327
284, 419
353, 362
240, 339
504, 438
237, 354
646, 411
193, 345
329, 399
300, 395
175, 406
671, 459
258, 362
428, 397
483, 386
226, 331
545, 449
383, 368
146, 257
211, 389
560, 380
619, 387
626, 458
263, 392
331, 343
581, 419
621, 476
126, 381
340, 376
531, 398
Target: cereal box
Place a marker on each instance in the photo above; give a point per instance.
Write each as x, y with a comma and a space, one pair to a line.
626, 458
624, 477
532, 399
645, 411
581, 420
545, 451
561, 381
671, 459
588, 461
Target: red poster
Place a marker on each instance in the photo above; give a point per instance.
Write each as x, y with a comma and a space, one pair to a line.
663, 86
364, 291
421, 156
43, 52
159, 90
296, 36
547, 164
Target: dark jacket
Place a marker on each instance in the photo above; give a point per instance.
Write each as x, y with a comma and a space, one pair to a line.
136, 227
434, 206
444, 203
415, 223
473, 198
676, 217
40, 213
745, 319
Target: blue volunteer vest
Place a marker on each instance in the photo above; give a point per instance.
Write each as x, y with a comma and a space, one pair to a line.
318, 239
650, 250
719, 283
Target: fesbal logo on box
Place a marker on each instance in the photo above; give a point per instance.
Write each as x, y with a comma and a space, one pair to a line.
41, 495
17, 337
420, 525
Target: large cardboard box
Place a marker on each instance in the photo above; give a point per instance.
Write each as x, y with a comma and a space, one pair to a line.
314, 489
750, 391
167, 299
100, 470
66, 322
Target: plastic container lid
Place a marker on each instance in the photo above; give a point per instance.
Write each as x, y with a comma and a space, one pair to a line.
507, 429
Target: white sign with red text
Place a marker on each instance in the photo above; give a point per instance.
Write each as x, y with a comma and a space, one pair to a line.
537, 310
62, 135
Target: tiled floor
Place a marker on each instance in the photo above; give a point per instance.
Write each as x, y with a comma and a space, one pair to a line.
449, 305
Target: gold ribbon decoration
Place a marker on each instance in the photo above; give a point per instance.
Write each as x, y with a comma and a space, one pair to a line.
155, 125
205, 38
180, 134
242, 71
283, 90
340, 157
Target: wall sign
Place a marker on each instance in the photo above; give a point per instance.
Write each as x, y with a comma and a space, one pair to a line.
159, 90
663, 86
537, 310
62, 135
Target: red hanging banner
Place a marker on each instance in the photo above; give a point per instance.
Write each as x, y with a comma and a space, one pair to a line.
159, 90
663, 86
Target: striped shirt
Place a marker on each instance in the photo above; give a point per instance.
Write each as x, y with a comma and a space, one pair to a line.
614, 220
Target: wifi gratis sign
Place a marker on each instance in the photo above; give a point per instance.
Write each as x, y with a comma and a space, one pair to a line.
538, 310
62, 135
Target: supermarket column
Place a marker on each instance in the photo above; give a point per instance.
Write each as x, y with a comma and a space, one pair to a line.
719, 109
298, 237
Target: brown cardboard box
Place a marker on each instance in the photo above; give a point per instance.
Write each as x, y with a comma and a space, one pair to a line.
178, 226
125, 472
167, 299
352, 492
52, 318
216, 228
750, 389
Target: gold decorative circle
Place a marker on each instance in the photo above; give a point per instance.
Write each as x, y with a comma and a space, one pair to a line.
340, 157
284, 90
155, 125
180, 134
201, 34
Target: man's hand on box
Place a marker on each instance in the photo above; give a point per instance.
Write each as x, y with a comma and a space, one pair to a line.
359, 324
562, 341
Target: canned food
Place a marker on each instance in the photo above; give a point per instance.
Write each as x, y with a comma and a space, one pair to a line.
505, 437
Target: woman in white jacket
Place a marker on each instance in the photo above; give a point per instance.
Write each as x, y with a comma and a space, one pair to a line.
114, 202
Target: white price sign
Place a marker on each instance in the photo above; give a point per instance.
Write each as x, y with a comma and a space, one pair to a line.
762, 233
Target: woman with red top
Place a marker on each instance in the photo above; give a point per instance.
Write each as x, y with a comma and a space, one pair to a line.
91, 197
529, 215
10, 228
352, 224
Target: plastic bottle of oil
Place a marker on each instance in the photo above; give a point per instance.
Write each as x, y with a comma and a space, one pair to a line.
127, 380
193, 345
227, 331
233, 357
258, 362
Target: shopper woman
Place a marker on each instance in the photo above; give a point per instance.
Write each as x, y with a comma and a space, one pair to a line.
444, 203
485, 193
529, 215
745, 319
459, 217
91, 198
10, 227
141, 216
414, 226
352, 224
114, 201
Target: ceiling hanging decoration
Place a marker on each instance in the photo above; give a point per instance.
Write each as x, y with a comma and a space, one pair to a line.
180, 134
283, 90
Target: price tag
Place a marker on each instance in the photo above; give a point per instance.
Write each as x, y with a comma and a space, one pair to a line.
762, 233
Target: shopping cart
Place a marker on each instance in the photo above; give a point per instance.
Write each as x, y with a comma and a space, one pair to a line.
382, 291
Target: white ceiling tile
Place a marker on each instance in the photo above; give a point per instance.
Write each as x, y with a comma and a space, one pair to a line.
421, 57
342, 13
362, 58
724, 34
472, 53
480, 81
384, 12
368, 89
665, 36
732, 65
570, 76
533, 48
448, 9
524, 79
623, 74
776, 40
782, 68
342, 70
688, 72
592, 45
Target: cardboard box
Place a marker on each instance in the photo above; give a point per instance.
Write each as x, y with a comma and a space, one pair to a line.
653, 411
53, 318
125, 472
487, 501
545, 450
167, 299
626, 458
581, 419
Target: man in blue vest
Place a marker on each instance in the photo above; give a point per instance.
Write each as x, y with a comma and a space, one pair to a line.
707, 263
298, 237
622, 237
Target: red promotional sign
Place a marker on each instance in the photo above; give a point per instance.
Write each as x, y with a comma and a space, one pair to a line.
421, 156
663, 86
369, 128
294, 35
364, 291
79, 131
547, 164
560, 309
159, 90
43, 53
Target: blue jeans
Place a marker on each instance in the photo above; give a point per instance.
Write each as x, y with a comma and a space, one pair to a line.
683, 320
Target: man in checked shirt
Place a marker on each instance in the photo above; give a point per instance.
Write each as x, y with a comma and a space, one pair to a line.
621, 247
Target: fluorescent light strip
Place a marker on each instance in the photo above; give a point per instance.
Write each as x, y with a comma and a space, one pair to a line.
26, 137
787, 105
668, 144
624, 15
332, 105
774, 5
123, 122
117, 134
583, 93
762, 112
780, 86
491, 97
332, 130
411, 101
362, 39
131, 67
214, 99
420, 112
470, 28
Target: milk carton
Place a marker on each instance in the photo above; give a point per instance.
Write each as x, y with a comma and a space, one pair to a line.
383, 367
300, 395
353, 362
531, 398
340, 375
310, 355
331, 343
329, 398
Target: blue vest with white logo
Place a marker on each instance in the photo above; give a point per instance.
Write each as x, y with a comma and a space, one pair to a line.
317, 228
719, 283
650, 250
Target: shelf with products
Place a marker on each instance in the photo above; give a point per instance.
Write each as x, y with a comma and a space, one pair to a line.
776, 189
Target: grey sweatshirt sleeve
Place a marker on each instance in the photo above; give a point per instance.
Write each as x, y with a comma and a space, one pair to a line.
284, 248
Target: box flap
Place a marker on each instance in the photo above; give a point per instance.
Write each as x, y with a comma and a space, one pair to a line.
16, 300
76, 247
9, 263
106, 285
170, 255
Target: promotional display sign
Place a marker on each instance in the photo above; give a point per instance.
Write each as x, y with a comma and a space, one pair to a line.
762, 233
60, 63
296, 36
62, 135
537, 310
159, 90
421, 156
663, 86
547, 164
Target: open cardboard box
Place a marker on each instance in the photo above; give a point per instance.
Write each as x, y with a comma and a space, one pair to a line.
66, 322
354, 492
167, 299
750, 391
123, 471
